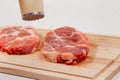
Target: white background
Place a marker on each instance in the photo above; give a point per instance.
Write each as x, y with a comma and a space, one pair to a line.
94, 16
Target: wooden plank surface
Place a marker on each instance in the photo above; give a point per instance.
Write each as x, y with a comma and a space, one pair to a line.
101, 60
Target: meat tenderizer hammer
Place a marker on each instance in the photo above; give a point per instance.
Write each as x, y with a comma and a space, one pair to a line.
31, 9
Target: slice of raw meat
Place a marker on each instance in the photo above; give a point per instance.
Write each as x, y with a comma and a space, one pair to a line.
19, 40
65, 45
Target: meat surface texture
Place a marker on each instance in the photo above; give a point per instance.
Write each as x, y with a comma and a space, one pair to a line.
19, 40
65, 45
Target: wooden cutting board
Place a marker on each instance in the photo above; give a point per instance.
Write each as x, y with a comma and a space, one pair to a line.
102, 63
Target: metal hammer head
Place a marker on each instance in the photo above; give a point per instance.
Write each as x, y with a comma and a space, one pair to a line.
31, 9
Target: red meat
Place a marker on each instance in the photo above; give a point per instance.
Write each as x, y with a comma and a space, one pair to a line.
65, 45
19, 40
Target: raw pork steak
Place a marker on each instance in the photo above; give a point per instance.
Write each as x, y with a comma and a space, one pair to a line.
65, 45
19, 40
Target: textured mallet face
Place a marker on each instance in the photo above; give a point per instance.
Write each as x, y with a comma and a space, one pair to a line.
65, 45
32, 16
